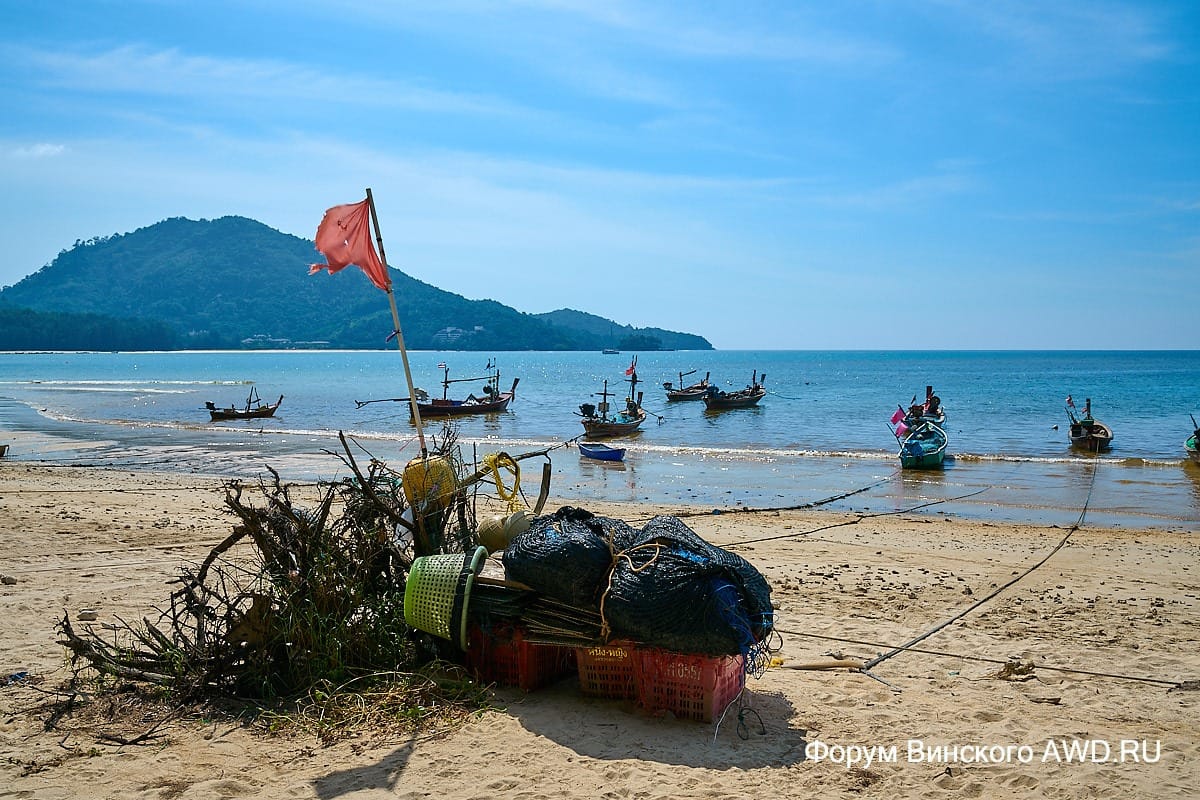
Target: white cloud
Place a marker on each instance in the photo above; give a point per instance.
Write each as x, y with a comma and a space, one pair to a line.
173, 73
40, 150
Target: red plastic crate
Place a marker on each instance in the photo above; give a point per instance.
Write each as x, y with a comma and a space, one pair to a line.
607, 670
688, 685
501, 655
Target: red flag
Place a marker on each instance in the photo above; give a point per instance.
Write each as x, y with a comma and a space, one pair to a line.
344, 238
897, 415
902, 430
632, 366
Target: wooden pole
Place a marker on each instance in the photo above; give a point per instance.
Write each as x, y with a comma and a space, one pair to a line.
412, 395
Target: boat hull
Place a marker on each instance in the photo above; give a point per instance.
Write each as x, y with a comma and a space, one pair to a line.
601, 452
686, 394
924, 448
1095, 437
598, 428
1192, 452
742, 399
225, 414
462, 408
249, 412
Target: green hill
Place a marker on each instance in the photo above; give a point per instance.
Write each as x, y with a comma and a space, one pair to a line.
233, 282
623, 337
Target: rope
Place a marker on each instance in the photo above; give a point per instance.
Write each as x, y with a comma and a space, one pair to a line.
856, 520
1062, 543
985, 659
605, 628
493, 462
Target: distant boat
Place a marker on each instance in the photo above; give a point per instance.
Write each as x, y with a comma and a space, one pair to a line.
1085, 432
493, 400
608, 351
718, 400
3, 450
598, 423
692, 392
601, 452
255, 408
922, 446
1190, 445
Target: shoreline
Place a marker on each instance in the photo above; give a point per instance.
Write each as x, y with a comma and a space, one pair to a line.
1107, 493
1119, 607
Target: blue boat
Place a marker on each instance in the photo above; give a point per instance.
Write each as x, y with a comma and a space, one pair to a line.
601, 452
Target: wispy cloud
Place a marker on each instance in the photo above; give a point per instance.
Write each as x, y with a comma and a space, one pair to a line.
172, 72
903, 193
1072, 39
40, 150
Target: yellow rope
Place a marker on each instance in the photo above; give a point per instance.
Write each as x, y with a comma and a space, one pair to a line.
494, 461
605, 628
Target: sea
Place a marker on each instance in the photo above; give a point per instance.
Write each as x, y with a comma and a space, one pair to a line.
821, 437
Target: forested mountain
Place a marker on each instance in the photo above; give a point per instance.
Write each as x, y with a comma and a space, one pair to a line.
233, 282
624, 337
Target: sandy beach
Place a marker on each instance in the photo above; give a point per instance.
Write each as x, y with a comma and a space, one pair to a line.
1108, 623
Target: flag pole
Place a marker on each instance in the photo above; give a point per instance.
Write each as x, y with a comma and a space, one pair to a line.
412, 395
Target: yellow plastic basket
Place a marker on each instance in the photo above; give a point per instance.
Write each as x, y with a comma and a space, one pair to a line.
431, 588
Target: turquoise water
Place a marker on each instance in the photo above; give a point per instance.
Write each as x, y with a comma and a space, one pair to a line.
820, 432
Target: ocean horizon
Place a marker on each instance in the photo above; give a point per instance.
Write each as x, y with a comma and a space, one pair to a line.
821, 432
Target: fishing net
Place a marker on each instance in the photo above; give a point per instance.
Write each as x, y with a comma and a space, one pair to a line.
674, 590
567, 555
662, 586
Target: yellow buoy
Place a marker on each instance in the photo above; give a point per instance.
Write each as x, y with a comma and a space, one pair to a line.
429, 481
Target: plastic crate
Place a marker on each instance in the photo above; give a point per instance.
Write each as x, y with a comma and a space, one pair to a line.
689, 686
502, 656
607, 670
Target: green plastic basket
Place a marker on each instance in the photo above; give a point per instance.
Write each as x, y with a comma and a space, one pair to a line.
431, 588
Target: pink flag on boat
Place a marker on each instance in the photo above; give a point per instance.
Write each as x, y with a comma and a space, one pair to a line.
898, 415
901, 430
344, 238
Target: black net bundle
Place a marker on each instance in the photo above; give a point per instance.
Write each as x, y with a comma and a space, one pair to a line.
568, 555
672, 589
662, 586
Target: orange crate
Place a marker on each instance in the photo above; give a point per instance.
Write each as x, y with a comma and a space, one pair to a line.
688, 685
607, 670
501, 655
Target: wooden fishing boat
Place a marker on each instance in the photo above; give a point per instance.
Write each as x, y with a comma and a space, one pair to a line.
718, 400
681, 392
492, 401
923, 446
598, 423
1190, 445
3, 450
255, 408
1085, 432
601, 451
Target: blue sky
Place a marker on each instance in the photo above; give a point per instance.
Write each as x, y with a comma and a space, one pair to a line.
955, 174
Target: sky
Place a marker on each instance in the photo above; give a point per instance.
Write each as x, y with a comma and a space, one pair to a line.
948, 174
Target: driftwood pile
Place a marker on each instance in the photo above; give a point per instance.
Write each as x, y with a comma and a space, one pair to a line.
292, 599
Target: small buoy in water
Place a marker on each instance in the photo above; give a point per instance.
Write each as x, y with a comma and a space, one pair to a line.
1054, 428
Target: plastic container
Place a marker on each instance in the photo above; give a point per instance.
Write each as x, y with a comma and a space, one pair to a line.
502, 656
607, 671
432, 588
689, 686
